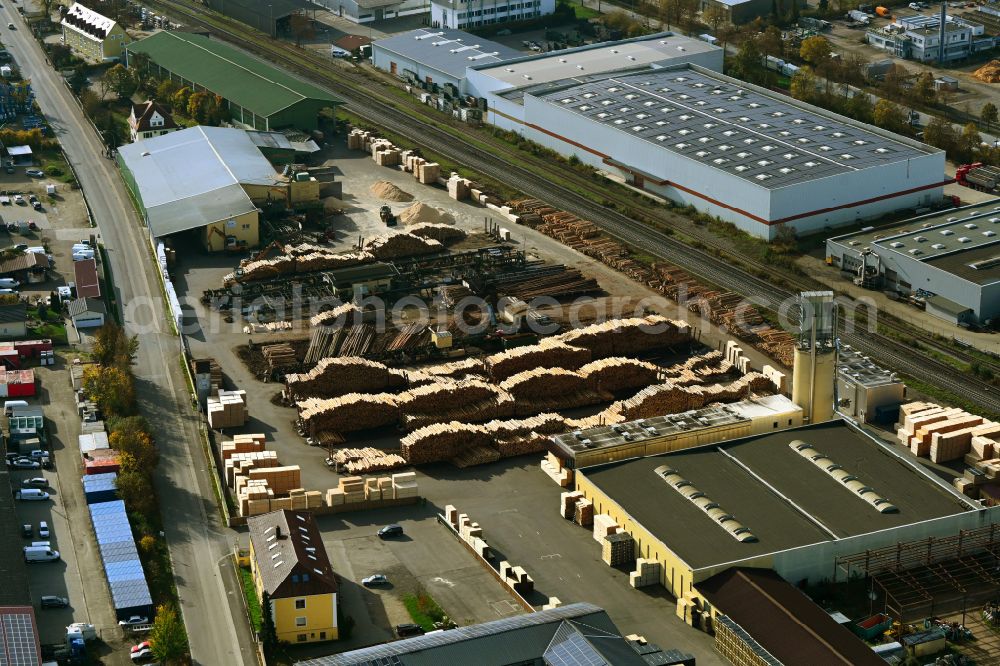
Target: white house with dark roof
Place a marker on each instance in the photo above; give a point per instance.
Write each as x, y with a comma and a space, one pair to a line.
92, 36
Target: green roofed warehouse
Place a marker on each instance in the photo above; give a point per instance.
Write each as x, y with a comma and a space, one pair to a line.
258, 95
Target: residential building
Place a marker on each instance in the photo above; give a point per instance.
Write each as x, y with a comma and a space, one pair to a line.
87, 313
258, 95
742, 11
578, 633
759, 618
91, 36
13, 320
475, 13
27, 267
289, 563
150, 119
225, 178
776, 501
947, 261
764, 162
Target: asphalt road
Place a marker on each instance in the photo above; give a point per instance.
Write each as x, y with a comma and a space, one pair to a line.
198, 541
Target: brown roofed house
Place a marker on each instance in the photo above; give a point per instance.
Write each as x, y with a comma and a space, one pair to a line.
149, 119
289, 563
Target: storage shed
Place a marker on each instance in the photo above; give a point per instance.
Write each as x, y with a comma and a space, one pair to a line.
129, 591
100, 488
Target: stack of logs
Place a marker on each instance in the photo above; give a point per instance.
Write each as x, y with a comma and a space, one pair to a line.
365, 460
670, 399
348, 413
668, 280
502, 438
338, 376
279, 356
394, 246
442, 233
549, 353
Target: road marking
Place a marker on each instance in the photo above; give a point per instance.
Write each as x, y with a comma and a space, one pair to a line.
550, 556
443, 581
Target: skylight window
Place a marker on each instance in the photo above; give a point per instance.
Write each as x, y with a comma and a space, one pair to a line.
763, 176
860, 142
638, 128
642, 116
881, 151
662, 137
684, 96
810, 164
764, 163
710, 125
567, 100
802, 139
729, 133
705, 139
682, 146
614, 89
620, 121
767, 148
838, 135
846, 156
789, 156
585, 107
702, 153
742, 167
743, 155
786, 170
686, 116
720, 160
725, 146
824, 148
684, 132
631, 96
777, 114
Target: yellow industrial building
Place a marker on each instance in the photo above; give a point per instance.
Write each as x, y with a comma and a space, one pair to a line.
289, 562
91, 36
212, 179
760, 502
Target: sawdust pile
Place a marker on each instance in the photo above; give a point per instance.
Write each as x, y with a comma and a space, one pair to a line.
333, 203
989, 73
389, 192
419, 213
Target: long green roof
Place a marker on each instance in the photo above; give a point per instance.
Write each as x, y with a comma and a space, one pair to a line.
228, 72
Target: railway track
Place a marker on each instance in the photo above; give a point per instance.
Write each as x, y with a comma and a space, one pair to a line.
379, 110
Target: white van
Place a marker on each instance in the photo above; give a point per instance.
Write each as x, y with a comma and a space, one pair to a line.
31, 494
9, 405
40, 554
82, 255
9, 283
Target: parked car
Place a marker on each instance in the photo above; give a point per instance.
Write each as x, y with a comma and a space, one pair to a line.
38, 454
390, 531
35, 482
142, 656
24, 463
375, 580
27, 530
31, 495
145, 645
52, 601
133, 621
35, 173
10, 26
338, 52
19, 200
43, 530
409, 629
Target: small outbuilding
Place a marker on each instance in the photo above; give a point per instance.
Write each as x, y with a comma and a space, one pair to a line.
87, 313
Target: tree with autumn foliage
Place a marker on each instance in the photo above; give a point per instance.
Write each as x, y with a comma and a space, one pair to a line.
110, 387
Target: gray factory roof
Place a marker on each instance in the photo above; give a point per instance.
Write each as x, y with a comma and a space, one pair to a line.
745, 476
769, 140
578, 633
446, 50
194, 177
659, 427
597, 58
858, 368
963, 241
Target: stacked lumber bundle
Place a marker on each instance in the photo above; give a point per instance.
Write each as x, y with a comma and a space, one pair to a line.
268, 327
328, 331
263, 269
548, 424
404, 485
279, 356
544, 383
279, 479
533, 442
333, 377
566, 283
254, 498
945, 434
409, 338
366, 460
467, 367
240, 464
567, 503
395, 246
617, 373
227, 410
250, 443
442, 441
445, 395
357, 340
349, 490
749, 384
442, 233
501, 405
348, 413
608, 417
628, 337
668, 398
549, 353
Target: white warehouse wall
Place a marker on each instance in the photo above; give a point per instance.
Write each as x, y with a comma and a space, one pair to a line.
383, 59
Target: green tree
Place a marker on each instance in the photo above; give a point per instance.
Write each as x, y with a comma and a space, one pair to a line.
119, 81
113, 347
134, 488
888, 115
179, 100
78, 80
170, 644
268, 632
940, 134
815, 51
989, 114
923, 88
969, 141
111, 388
747, 62
90, 103
197, 106
771, 42
803, 86
166, 89
714, 16
137, 444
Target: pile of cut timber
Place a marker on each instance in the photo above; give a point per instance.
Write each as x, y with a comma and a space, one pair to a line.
467, 367
618, 374
227, 410
366, 460
445, 395
245, 443
668, 398
339, 376
549, 353
442, 441
442, 233
279, 356
395, 246
700, 369
348, 413
544, 383
555, 284
328, 331
945, 434
628, 337
466, 444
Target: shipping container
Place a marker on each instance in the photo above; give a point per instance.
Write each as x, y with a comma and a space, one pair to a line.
122, 568
100, 488
92, 441
31, 348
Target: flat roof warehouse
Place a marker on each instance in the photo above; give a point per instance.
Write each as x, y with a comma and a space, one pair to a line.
701, 115
784, 499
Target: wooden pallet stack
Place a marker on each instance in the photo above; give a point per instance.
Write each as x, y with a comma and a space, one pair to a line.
279, 479
227, 409
530, 386
603, 526
365, 460
618, 549
647, 572
348, 413
404, 485
583, 512
442, 396
279, 356
246, 443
